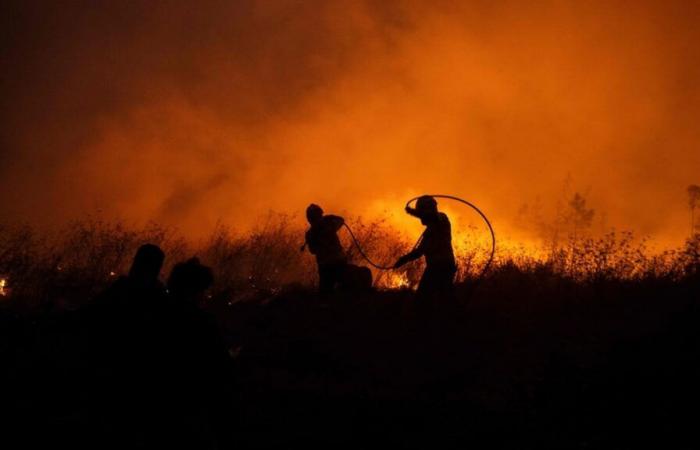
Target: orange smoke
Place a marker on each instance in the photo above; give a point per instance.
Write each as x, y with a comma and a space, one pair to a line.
190, 116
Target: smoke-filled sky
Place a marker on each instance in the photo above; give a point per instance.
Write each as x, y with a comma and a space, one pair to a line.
190, 112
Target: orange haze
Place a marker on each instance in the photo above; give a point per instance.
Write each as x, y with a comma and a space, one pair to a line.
190, 112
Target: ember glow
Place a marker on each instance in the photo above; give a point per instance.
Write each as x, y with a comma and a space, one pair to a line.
221, 111
395, 281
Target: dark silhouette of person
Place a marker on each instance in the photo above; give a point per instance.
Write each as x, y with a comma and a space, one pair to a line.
138, 297
163, 368
188, 281
143, 277
200, 371
127, 342
322, 240
436, 247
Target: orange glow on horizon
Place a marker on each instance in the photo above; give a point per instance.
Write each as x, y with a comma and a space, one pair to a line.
190, 119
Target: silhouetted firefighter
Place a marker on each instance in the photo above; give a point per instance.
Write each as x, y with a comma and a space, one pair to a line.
128, 340
322, 240
199, 408
436, 246
161, 366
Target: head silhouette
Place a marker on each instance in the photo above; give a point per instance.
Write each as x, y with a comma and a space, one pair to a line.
314, 213
147, 264
427, 209
189, 279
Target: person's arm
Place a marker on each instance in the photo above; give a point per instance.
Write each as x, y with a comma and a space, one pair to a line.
410, 256
414, 254
335, 222
412, 211
309, 243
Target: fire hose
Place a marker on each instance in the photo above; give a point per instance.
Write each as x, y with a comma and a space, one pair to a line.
450, 197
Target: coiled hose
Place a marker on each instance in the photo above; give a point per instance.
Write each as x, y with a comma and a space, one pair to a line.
450, 197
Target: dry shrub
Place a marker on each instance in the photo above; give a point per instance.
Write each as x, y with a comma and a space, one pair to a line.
75, 262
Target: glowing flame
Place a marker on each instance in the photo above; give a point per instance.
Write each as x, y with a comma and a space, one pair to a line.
3, 287
396, 281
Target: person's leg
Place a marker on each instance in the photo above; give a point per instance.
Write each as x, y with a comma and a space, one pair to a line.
435, 294
337, 274
444, 299
326, 279
445, 284
427, 284
425, 295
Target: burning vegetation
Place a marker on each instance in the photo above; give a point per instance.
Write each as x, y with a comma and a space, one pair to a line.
72, 265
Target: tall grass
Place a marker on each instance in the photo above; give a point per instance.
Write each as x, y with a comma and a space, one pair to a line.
71, 265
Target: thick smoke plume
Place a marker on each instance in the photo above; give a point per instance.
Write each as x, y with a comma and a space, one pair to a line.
189, 113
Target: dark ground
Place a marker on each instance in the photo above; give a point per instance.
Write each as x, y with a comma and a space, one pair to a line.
530, 361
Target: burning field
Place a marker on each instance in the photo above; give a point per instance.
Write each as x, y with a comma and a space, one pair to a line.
206, 128
67, 268
593, 344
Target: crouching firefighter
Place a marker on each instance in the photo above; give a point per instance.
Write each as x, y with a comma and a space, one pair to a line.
436, 247
322, 240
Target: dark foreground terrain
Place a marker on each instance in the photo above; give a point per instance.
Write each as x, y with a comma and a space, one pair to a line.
528, 361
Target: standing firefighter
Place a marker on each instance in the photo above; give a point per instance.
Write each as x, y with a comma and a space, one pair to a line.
322, 240
436, 246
